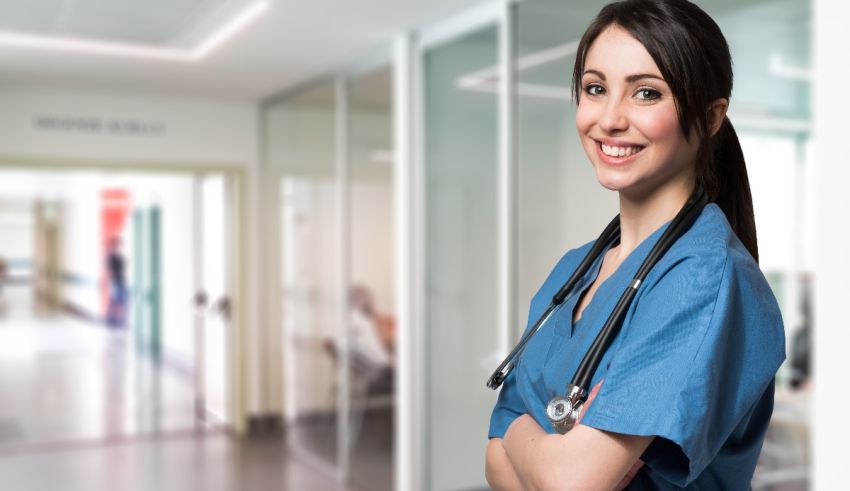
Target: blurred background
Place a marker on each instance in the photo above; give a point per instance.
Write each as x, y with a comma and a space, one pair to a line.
255, 244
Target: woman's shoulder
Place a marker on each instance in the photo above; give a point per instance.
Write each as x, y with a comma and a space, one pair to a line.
711, 243
712, 256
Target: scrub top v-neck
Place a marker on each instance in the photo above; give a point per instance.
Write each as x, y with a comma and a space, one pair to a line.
704, 317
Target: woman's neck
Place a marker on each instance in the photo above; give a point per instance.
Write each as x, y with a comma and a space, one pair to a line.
643, 215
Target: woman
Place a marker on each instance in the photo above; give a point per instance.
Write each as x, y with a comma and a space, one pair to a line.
683, 396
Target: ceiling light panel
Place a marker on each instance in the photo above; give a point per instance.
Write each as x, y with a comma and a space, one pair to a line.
177, 24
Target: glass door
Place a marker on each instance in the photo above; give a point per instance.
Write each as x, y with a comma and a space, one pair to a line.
301, 150
372, 317
213, 299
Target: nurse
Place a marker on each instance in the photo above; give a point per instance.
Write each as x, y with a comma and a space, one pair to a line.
683, 396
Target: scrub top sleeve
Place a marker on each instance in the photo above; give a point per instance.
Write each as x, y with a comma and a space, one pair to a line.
699, 349
509, 407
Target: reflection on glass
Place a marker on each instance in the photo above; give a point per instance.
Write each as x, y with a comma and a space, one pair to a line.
372, 323
300, 145
461, 170
561, 205
770, 43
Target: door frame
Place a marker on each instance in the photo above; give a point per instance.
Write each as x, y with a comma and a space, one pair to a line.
238, 174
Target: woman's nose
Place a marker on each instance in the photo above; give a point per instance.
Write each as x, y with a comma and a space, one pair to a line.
613, 118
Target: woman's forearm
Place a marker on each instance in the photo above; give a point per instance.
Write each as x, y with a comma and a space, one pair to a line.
520, 444
584, 459
498, 469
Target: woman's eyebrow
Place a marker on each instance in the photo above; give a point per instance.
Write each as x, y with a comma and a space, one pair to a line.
629, 79
641, 76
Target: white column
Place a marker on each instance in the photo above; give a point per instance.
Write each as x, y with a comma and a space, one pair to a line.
832, 238
508, 323
409, 277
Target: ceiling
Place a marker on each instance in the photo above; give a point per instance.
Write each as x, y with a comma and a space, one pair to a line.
289, 43
152, 22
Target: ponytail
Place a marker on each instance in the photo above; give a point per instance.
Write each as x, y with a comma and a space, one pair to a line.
724, 178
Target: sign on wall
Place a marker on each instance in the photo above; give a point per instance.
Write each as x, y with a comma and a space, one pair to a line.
98, 125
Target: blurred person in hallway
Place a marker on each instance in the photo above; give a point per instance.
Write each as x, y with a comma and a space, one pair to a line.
372, 333
116, 313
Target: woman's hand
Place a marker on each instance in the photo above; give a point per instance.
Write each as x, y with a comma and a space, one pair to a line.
498, 469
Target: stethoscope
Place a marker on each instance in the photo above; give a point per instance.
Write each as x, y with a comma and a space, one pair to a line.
564, 410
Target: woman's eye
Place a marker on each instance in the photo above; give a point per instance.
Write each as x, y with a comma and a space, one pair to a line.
594, 89
648, 94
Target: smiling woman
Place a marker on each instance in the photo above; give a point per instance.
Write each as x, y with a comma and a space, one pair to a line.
683, 396
627, 112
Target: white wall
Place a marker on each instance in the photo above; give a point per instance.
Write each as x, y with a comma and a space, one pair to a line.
80, 248
832, 338
180, 129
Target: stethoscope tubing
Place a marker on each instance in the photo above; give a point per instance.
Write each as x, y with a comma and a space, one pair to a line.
608, 236
680, 224
590, 362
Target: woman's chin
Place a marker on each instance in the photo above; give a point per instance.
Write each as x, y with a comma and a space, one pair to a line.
613, 183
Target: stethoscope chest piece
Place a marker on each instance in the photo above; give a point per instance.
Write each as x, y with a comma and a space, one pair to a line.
564, 411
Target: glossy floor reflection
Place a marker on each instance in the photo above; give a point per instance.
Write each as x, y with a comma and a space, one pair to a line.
66, 380
81, 410
210, 462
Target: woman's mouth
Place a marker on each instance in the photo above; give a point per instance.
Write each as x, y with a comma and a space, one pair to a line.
618, 154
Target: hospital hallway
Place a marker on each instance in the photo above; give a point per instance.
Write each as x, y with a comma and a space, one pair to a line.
76, 400
65, 379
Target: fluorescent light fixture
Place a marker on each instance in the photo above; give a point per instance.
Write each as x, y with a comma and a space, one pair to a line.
90, 46
779, 68
487, 79
231, 28
526, 90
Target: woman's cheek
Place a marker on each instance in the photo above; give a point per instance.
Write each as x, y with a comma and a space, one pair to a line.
658, 124
585, 116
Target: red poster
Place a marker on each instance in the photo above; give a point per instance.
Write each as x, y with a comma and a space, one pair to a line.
114, 209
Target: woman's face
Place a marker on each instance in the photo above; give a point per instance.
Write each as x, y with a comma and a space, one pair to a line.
627, 118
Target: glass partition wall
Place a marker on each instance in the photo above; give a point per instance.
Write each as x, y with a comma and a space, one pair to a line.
329, 150
500, 189
300, 149
461, 265
372, 319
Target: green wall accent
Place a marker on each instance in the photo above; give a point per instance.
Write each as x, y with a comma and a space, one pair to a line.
155, 291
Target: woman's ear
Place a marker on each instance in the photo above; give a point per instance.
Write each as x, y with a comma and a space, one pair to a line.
716, 114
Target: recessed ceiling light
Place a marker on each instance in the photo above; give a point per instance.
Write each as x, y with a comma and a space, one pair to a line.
90, 46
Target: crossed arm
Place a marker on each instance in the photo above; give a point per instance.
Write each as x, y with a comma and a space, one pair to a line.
530, 459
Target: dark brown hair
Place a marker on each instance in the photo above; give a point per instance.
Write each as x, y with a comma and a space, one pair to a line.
693, 57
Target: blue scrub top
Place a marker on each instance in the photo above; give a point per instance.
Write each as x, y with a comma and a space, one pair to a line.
694, 364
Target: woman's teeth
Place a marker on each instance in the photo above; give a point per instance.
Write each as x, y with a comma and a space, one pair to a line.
619, 151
